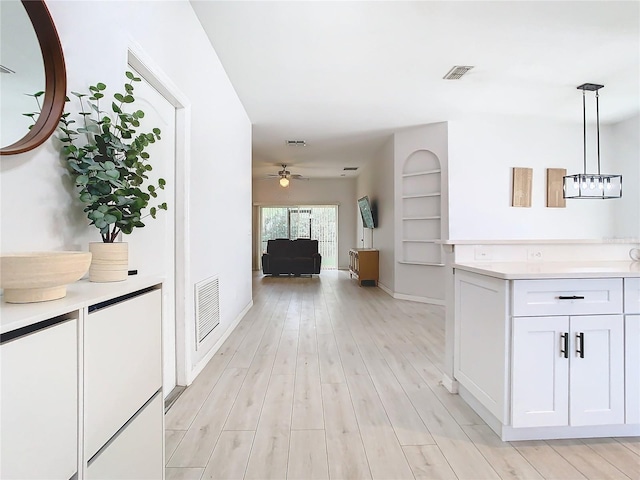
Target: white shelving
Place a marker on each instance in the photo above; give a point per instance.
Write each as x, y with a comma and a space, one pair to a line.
421, 210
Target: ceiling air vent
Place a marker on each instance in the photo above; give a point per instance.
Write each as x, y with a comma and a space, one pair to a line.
350, 169
457, 72
296, 143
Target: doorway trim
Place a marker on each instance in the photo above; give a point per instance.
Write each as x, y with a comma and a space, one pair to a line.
155, 76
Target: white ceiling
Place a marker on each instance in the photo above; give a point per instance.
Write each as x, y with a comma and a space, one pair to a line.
343, 75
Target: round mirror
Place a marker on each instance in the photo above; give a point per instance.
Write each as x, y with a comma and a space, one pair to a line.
31, 62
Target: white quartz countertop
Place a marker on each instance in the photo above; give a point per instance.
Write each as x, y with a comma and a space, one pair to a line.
80, 294
541, 270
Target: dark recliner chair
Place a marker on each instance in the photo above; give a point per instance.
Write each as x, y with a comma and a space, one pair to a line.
291, 257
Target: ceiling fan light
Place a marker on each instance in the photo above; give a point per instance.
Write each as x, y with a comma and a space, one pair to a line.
284, 182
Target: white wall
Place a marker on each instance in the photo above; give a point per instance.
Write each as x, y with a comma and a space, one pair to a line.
623, 157
420, 282
40, 213
482, 152
315, 191
376, 182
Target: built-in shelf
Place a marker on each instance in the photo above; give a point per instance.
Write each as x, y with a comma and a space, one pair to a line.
429, 264
416, 174
434, 217
421, 209
421, 195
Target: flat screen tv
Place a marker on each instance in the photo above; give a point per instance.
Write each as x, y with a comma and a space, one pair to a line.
368, 215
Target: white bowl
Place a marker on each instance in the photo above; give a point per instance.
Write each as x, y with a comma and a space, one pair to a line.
40, 276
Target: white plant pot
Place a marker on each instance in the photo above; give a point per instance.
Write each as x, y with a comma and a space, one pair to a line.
109, 262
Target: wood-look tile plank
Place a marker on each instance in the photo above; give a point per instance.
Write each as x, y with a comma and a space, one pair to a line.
330, 364
198, 443
307, 340
307, 397
347, 458
632, 443
586, 460
549, 463
269, 454
407, 424
186, 407
229, 459
171, 440
385, 456
617, 454
432, 376
183, 473
352, 363
245, 413
308, 456
463, 456
285, 362
427, 463
504, 459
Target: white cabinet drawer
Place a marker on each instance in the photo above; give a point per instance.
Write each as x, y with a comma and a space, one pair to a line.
136, 452
632, 295
590, 296
123, 364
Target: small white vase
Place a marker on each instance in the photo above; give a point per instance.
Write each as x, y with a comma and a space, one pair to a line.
109, 261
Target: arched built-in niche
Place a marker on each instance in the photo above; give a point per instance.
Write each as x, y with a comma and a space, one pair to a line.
421, 209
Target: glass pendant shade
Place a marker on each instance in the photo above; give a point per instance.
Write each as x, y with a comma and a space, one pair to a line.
284, 182
591, 185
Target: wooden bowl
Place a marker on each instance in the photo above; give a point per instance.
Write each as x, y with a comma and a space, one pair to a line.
40, 276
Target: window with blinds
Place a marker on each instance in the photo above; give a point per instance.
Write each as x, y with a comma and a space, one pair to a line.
303, 221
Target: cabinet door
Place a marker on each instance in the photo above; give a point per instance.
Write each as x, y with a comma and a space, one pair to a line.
540, 373
123, 364
632, 368
136, 452
39, 413
597, 370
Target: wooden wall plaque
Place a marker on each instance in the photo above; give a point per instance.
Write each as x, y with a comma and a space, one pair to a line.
554, 187
521, 194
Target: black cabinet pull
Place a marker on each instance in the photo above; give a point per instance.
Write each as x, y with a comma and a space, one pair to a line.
580, 349
564, 349
571, 297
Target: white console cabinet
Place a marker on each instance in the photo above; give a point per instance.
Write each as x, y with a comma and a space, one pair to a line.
82, 384
550, 357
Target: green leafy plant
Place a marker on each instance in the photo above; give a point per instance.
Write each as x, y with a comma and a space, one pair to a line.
107, 159
34, 115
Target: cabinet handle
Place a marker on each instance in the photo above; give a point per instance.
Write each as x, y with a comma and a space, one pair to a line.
580, 349
571, 297
564, 348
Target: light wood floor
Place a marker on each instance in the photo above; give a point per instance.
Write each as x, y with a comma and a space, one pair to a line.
326, 380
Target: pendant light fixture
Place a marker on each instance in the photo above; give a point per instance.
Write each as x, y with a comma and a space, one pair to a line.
591, 185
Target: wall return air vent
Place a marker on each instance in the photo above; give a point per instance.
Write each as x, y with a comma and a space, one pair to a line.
457, 72
207, 308
296, 143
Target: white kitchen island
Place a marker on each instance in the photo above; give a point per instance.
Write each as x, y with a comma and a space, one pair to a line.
549, 349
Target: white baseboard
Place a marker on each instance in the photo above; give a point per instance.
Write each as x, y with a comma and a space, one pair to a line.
414, 298
195, 371
411, 298
385, 289
449, 383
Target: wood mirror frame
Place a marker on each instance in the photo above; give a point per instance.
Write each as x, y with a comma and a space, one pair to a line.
55, 79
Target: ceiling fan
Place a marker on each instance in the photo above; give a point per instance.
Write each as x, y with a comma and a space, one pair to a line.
285, 176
